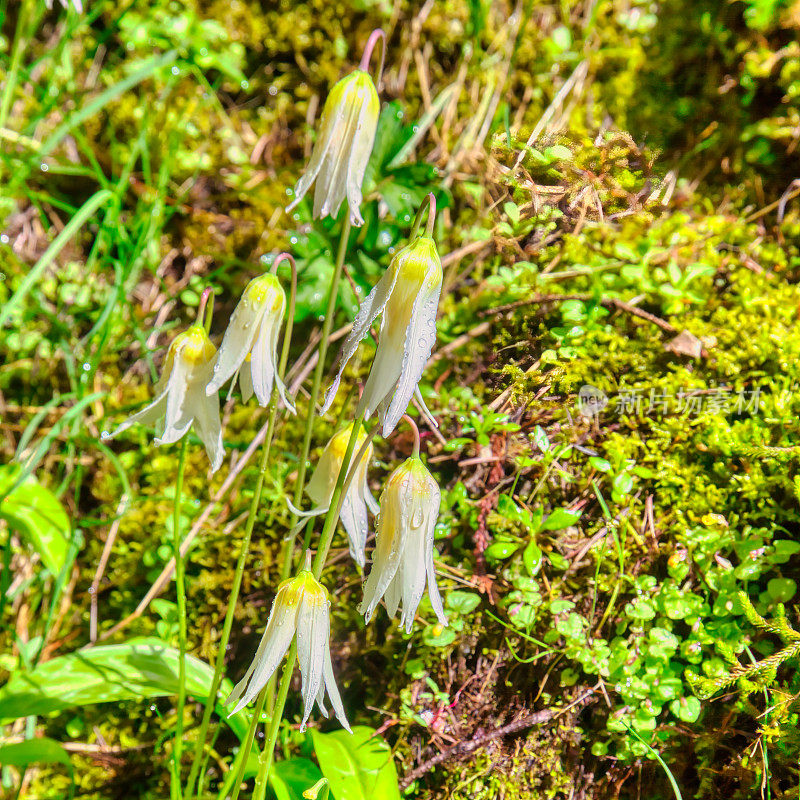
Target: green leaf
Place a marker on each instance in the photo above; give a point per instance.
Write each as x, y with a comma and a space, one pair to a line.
43, 750
357, 766
462, 602
559, 519
140, 668
438, 635
640, 608
290, 778
540, 437
686, 709
532, 558
37, 515
499, 550
782, 590
512, 212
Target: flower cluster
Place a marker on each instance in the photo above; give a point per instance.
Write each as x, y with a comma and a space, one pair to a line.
406, 298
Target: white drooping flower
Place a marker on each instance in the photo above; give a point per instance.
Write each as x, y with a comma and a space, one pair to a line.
300, 609
407, 297
402, 562
249, 348
181, 401
356, 499
341, 152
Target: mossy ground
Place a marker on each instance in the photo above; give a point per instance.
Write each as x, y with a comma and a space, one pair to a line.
654, 183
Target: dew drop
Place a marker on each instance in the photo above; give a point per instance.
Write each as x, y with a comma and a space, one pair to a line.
273, 90
105, 435
4, 238
44, 167
176, 71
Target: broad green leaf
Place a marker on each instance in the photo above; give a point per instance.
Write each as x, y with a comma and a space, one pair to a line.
782, 590
462, 602
560, 518
32, 751
36, 514
686, 709
290, 778
140, 668
499, 550
358, 766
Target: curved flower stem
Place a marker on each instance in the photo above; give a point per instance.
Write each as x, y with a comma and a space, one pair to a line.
206, 308
219, 664
415, 430
180, 589
367, 55
430, 203
327, 324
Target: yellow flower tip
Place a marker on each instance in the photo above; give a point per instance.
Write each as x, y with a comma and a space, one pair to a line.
355, 89
305, 586
411, 469
340, 440
266, 292
193, 346
420, 263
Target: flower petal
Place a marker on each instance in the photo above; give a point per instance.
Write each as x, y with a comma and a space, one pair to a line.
149, 415
208, 426
353, 517
373, 305
333, 691
262, 363
275, 642
298, 512
390, 529
420, 338
363, 140
246, 382
313, 630
331, 187
178, 417
237, 342
323, 144
414, 556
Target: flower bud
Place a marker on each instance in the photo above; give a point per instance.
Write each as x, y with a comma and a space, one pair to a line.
301, 608
407, 297
181, 401
355, 500
250, 345
402, 562
341, 152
